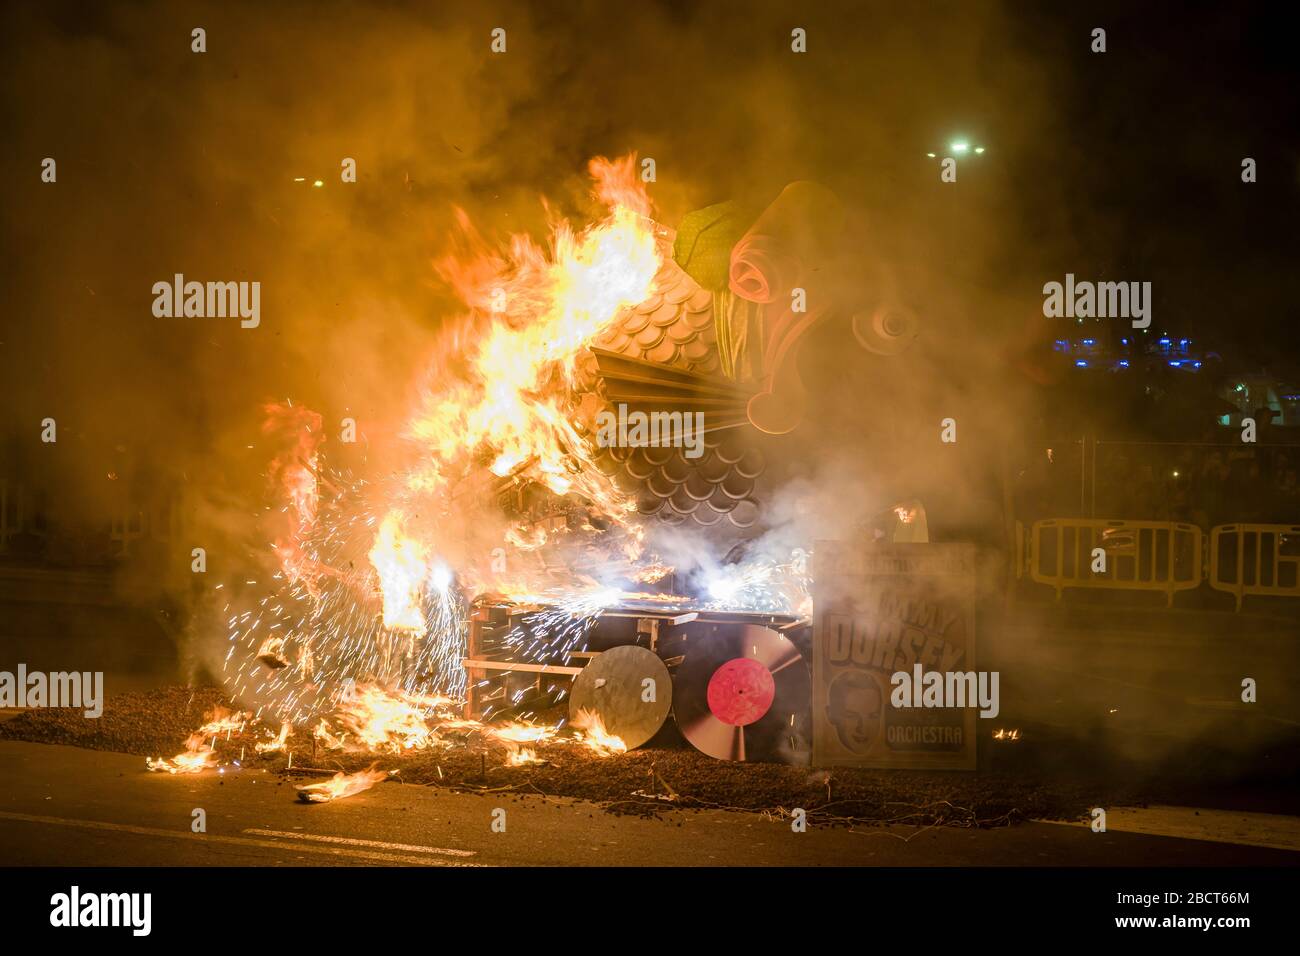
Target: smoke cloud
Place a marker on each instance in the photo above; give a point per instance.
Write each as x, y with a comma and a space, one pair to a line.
205, 164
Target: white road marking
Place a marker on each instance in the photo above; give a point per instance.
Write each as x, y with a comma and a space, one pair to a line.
1271, 830
349, 841
237, 841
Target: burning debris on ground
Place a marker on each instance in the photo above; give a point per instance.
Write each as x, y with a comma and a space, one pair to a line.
474, 757
340, 785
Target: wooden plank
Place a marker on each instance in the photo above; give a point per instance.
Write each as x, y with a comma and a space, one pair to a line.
514, 666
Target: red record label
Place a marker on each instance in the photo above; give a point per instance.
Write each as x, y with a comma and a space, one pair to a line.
741, 691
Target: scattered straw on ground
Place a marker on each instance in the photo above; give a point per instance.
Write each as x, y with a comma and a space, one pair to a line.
650, 781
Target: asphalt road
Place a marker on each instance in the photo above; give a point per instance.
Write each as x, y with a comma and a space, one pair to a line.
68, 807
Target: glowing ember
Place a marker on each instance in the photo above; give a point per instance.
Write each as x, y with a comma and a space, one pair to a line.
341, 785
523, 757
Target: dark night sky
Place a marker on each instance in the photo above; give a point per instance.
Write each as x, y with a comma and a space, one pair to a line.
1161, 124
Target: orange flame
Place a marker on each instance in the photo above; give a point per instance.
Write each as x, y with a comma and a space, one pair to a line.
299, 433
502, 385
594, 736
200, 751
402, 565
503, 397
378, 720
523, 757
341, 785
198, 755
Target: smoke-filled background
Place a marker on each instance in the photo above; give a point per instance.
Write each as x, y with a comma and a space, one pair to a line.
1119, 166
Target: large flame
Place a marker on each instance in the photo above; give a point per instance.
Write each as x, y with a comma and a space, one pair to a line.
500, 392
402, 565
502, 388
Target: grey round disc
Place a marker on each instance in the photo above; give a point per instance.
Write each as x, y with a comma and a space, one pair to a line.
614, 685
887, 330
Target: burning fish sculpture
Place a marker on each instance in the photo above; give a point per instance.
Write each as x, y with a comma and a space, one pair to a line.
524, 475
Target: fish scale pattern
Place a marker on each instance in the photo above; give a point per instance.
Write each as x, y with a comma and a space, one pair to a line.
674, 328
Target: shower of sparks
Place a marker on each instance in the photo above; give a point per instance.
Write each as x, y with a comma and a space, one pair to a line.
763, 585
311, 635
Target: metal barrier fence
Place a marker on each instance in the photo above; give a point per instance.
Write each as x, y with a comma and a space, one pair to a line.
1255, 559
1162, 556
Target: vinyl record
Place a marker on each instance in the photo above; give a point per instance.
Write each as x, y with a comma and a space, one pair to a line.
629, 688
743, 692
